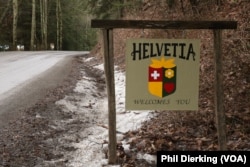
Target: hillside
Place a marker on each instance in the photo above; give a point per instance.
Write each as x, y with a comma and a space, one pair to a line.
189, 130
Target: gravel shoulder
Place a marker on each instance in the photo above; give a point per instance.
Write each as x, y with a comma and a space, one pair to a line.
28, 138
33, 90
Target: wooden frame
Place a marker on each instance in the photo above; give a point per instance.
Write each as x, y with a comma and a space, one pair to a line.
149, 24
109, 25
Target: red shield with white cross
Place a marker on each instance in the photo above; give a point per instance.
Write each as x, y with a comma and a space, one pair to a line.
162, 81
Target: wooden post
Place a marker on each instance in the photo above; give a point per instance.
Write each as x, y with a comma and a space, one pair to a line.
219, 108
110, 81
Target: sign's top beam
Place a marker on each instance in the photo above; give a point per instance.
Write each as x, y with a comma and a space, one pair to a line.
149, 24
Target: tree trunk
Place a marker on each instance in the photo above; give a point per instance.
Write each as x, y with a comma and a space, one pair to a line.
44, 22
15, 18
45, 29
5, 11
58, 25
41, 24
33, 26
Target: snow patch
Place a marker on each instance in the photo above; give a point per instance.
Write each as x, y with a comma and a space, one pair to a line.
91, 106
100, 67
149, 158
89, 59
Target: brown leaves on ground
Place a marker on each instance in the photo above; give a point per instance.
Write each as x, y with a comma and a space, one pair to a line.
187, 130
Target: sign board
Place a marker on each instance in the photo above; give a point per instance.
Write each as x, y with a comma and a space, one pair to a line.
162, 74
107, 29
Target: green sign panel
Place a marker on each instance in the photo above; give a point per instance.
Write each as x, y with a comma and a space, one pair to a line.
162, 74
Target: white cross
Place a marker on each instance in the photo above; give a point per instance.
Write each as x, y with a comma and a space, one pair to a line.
155, 75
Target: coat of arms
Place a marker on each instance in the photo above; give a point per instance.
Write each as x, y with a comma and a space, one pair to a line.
162, 77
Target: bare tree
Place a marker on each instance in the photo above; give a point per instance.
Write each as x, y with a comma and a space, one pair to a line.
44, 22
15, 19
45, 30
5, 11
59, 25
41, 22
33, 25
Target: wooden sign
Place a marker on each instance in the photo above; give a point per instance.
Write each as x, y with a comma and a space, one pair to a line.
109, 25
162, 74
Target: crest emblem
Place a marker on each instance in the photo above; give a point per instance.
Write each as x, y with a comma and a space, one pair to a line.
162, 77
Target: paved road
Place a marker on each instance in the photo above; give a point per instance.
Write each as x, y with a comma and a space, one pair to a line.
25, 77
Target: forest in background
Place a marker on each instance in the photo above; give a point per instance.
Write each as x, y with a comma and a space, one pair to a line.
35, 24
38, 23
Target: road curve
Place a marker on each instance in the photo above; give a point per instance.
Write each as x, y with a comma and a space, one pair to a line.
25, 77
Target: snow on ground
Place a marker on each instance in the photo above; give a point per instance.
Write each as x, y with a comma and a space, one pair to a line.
91, 106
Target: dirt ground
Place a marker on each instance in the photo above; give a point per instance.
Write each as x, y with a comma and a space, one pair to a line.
30, 138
